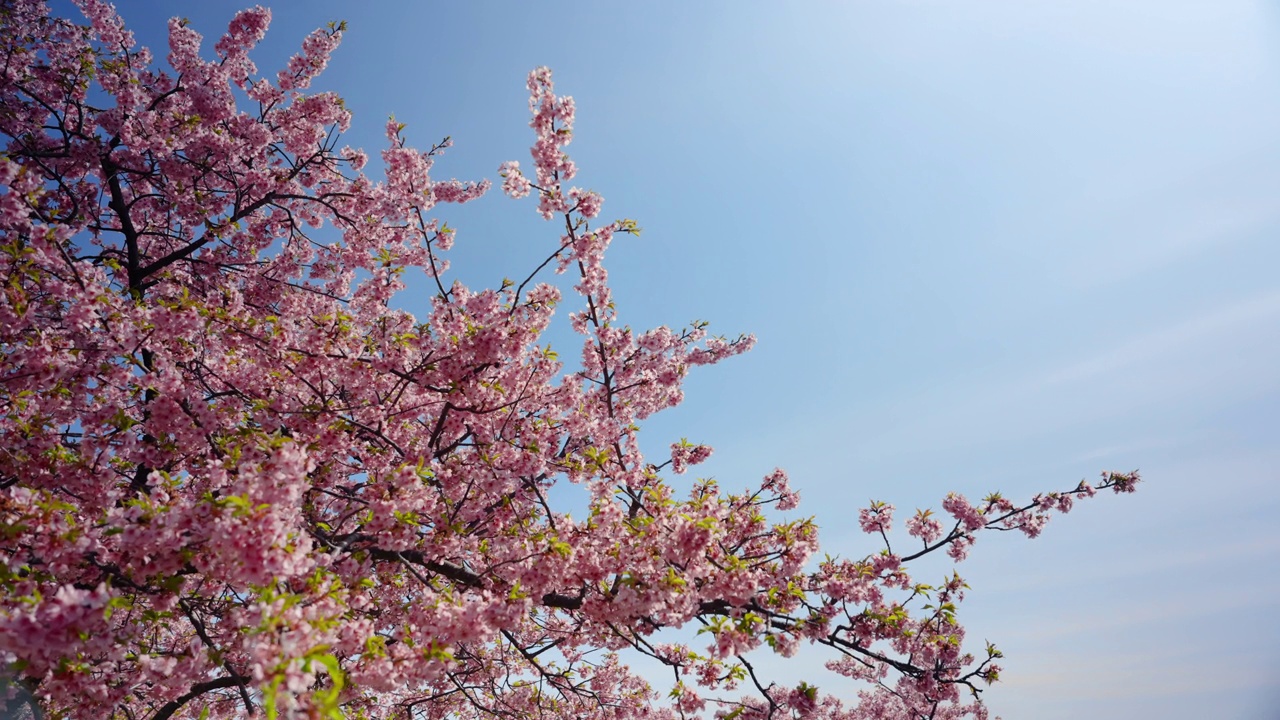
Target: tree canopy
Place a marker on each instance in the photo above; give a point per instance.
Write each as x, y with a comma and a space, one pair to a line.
237, 480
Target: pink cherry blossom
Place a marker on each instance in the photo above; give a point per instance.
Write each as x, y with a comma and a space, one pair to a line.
238, 482
924, 526
876, 519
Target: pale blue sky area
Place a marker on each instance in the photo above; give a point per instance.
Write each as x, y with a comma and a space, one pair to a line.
984, 246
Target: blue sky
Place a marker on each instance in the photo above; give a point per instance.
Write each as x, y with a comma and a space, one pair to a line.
984, 246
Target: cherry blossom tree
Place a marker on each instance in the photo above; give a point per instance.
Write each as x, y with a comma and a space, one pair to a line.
235, 480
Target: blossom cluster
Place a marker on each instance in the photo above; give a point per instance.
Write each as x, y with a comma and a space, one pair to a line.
238, 481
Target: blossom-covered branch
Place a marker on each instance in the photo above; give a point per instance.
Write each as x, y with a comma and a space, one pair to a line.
237, 481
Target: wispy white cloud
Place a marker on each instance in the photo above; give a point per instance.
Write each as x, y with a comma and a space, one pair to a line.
1190, 365
1242, 552
1130, 448
1158, 613
1080, 678
1217, 204
1222, 330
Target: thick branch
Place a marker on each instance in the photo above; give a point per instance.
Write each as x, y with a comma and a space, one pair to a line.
197, 690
